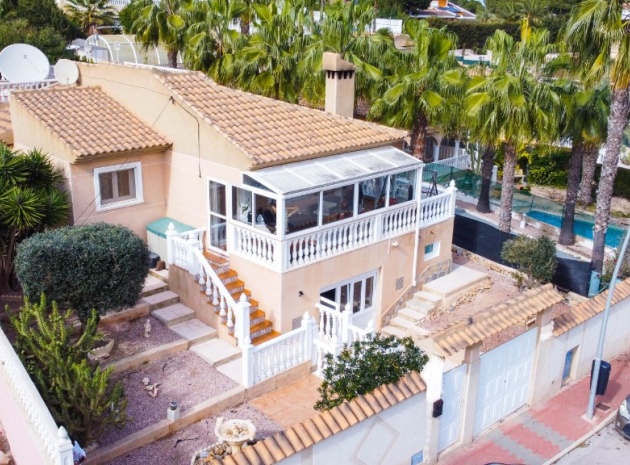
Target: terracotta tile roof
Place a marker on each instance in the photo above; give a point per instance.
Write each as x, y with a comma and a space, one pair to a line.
466, 333
90, 123
6, 129
589, 308
323, 425
271, 132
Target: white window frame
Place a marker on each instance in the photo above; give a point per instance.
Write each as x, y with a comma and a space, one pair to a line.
362, 277
137, 171
434, 253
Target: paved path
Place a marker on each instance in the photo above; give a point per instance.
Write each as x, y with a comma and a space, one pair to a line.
536, 435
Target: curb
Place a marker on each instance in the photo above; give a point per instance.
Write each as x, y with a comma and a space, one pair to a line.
607, 421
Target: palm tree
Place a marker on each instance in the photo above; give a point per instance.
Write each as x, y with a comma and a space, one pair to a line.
267, 63
89, 14
162, 23
209, 37
31, 200
344, 30
584, 123
596, 28
423, 85
513, 105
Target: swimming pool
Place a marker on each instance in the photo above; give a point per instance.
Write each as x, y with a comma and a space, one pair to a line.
583, 228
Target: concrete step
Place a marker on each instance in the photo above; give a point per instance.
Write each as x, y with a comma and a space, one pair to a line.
421, 306
228, 276
217, 351
393, 331
265, 337
153, 285
260, 329
194, 331
233, 370
410, 314
456, 283
236, 287
174, 314
402, 323
428, 297
161, 299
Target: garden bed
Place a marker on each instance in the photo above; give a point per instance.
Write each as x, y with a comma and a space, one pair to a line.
185, 378
180, 446
129, 337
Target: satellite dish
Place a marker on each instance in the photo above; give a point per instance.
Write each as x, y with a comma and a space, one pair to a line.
66, 72
23, 63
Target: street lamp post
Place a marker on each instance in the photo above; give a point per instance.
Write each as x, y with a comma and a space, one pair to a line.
602, 332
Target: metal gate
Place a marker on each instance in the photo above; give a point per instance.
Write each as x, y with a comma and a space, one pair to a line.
452, 394
504, 379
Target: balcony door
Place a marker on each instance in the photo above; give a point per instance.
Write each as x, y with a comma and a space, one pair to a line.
359, 292
217, 205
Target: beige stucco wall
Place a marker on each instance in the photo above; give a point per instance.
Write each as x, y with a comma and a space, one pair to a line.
278, 294
585, 337
135, 217
138, 90
390, 437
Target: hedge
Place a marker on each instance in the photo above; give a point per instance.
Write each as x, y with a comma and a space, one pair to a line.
96, 266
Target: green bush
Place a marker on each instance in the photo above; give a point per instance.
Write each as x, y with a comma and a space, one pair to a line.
534, 257
96, 266
621, 188
365, 365
79, 394
549, 169
473, 34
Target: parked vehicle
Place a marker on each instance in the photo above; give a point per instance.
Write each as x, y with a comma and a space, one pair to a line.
622, 422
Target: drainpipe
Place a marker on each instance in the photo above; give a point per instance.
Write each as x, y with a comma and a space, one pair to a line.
414, 270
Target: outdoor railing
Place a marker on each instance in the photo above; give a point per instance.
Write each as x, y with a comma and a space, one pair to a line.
53, 443
334, 239
460, 162
276, 355
6, 87
439, 207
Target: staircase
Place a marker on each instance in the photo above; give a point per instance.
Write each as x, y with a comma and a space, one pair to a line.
261, 329
434, 294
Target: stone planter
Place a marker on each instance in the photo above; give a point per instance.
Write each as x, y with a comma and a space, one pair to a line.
103, 350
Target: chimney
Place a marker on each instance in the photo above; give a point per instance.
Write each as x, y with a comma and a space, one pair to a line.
339, 85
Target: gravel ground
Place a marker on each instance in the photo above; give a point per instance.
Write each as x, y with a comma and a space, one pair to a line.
129, 336
501, 288
179, 448
184, 377
4, 443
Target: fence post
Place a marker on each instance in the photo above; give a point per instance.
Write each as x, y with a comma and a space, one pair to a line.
453, 191
308, 324
170, 251
65, 447
242, 330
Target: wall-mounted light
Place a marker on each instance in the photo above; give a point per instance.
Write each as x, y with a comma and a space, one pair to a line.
394, 243
300, 293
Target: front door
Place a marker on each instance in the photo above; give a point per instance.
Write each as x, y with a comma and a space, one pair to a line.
217, 202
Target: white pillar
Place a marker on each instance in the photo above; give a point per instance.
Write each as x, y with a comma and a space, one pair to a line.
495, 169
170, 250
308, 323
65, 447
453, 191
436, 152
248, 365
242, 330
457, 154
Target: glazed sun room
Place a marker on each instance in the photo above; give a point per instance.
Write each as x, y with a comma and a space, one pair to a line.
296, 214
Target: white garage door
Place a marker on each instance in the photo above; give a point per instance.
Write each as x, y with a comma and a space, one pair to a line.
504, 378
452, 394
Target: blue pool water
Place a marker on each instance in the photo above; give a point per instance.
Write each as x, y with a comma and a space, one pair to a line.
614, 235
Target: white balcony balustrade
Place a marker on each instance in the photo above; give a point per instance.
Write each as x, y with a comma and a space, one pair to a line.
6, 87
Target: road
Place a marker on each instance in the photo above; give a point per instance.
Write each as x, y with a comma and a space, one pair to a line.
604, 448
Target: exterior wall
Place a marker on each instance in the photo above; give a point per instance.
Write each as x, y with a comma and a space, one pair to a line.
279, 297
391, 437
80, 178
143, 95
585, 338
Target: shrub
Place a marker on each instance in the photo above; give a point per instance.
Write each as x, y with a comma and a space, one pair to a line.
365, 365
96, 266
534, 257
549, 169
79, 395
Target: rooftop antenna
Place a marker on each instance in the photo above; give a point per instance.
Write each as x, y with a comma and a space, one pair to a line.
23, 63
66, 72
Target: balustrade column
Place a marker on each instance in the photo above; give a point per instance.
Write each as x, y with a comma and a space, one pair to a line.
170, 247
242, 329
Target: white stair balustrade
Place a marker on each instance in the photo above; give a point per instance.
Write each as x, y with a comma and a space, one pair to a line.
276, 355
